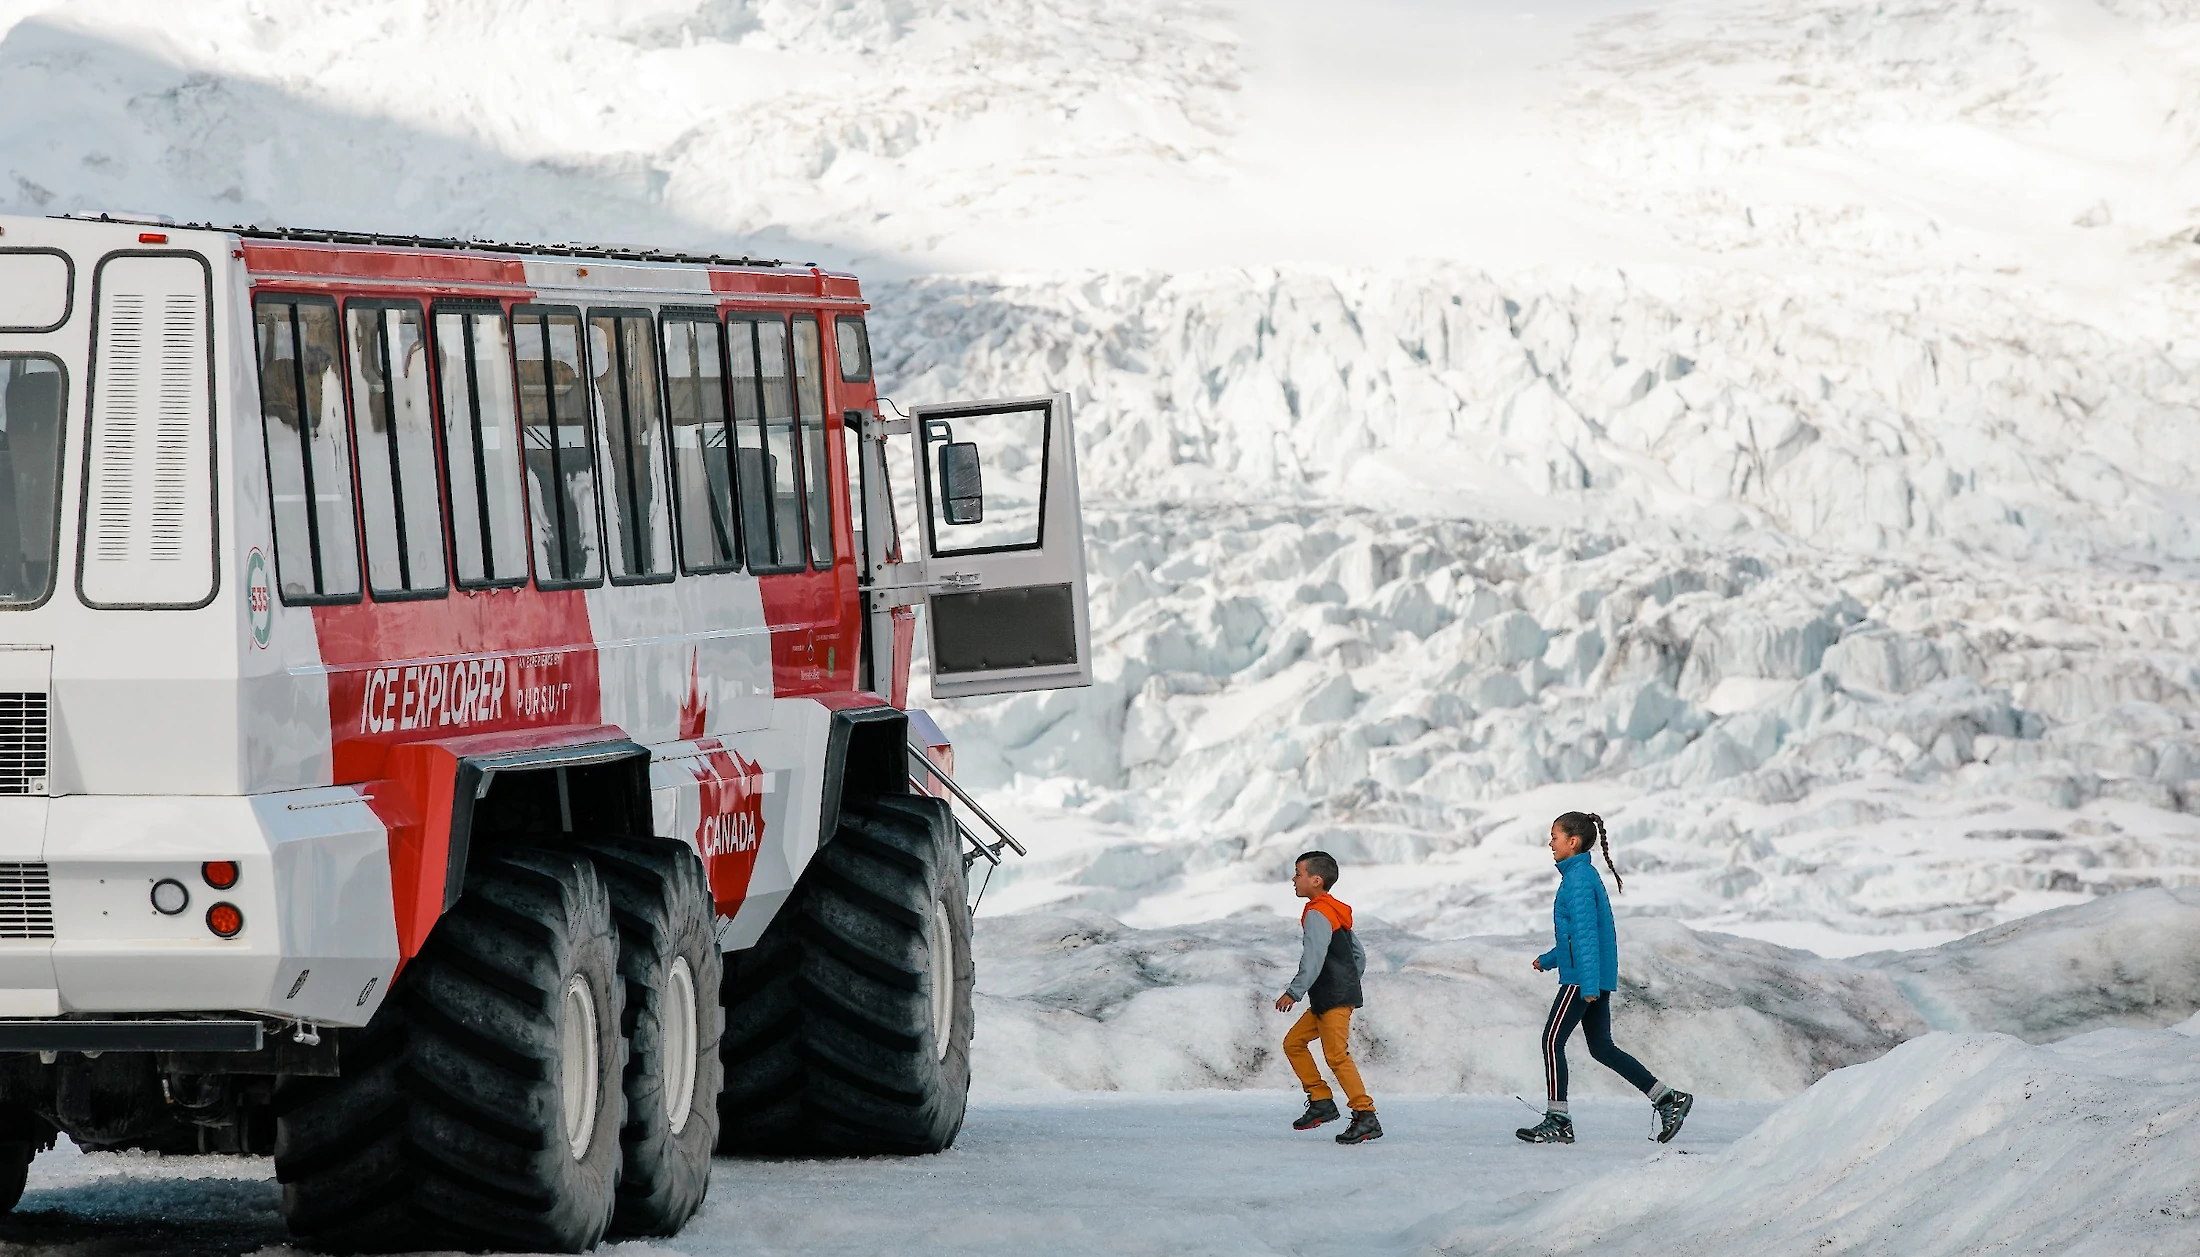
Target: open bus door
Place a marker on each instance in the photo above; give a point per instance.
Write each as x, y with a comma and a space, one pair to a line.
1002, 539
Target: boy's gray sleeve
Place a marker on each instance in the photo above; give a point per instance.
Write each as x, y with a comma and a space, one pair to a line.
1311, 954
1359, 953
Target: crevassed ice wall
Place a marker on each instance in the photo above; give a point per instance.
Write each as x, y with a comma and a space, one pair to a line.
1871, 611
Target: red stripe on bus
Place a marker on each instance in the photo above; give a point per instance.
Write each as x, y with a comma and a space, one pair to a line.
419, 265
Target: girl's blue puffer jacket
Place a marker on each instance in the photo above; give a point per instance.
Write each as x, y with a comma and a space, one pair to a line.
1587, 954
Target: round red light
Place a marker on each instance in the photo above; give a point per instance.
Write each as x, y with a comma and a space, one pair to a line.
224, 920
219, 874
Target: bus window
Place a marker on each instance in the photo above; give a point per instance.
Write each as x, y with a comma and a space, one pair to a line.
392, 427
561, 460
308, 449
809, 395
31, 388
622, 348
488, 517
855, 349
764, 457
702, 444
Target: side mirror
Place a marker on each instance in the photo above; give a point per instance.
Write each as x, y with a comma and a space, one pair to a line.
962, 488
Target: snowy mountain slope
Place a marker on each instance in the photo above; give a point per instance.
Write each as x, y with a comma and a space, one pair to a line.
2052, 137
1948, 1146
857, 129
1080, 1001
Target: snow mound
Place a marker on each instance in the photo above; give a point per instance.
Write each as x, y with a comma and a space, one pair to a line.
2120, 961
1082, 1002
1950, 1145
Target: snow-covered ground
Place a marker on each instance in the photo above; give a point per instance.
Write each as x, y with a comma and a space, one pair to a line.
1069, 1174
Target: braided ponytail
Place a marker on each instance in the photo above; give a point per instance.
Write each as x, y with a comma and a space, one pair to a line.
1604, 844
1587, 828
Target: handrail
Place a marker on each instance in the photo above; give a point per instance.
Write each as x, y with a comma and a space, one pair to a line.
992, 854
916, 753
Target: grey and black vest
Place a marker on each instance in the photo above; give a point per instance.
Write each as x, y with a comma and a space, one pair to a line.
1338, 984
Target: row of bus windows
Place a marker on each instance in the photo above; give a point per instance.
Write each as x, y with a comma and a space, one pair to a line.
580, 441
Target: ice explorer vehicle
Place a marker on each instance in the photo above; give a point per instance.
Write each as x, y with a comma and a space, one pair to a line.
454, 722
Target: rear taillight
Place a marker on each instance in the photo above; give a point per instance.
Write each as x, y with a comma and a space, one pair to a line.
225, 920
219, 874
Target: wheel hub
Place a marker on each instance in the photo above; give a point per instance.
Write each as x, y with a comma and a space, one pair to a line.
577, 1077
943, 978
680, 1046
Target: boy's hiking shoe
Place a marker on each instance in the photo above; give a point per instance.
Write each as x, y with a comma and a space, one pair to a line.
1555, 1128
1363, 1128
1317, 1112
1672, 1111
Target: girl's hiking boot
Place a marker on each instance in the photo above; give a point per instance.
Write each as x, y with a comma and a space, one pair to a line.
1363, 1128
1672, 1111
1317, 1112
1555, 1128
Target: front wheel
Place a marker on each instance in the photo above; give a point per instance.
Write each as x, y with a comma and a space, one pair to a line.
848, 1025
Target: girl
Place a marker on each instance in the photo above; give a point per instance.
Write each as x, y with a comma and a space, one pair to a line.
1587, 958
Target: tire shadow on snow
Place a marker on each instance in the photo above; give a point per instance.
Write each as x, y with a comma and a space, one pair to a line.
121, 1217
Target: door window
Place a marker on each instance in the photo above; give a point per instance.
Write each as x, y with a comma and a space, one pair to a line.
393, 429
32, 392
809, 396
1008, 450
702, 445
481, 447
630, 426
765, 467
855, 349
308, 449
560, 457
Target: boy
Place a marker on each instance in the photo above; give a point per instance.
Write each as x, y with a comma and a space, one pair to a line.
1330, 964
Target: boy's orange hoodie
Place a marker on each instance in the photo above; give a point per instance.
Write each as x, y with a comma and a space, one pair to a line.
1337, 910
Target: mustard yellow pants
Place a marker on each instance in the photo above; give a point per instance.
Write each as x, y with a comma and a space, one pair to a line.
1334, 1028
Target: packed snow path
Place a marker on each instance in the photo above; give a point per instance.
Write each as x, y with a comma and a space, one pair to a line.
1117, 1173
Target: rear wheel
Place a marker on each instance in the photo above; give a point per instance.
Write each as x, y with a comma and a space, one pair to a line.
848, 1024
668, 957
481, 1107
15, 1171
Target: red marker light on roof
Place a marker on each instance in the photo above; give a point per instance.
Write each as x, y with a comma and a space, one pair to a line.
152, 237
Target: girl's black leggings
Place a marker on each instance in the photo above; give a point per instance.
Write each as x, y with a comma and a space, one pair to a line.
1595, 1018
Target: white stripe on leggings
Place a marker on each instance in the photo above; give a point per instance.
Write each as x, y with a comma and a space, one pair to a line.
1566, 996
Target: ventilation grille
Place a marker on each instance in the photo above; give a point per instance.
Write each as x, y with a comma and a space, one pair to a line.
23, 751
26, 902
124, 415
149, 519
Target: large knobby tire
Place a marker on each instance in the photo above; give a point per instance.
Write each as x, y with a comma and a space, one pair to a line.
848, 1024
481, 1107
15, 1171
668, 956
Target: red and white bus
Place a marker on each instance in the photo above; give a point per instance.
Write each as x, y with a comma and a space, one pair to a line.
441, 682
